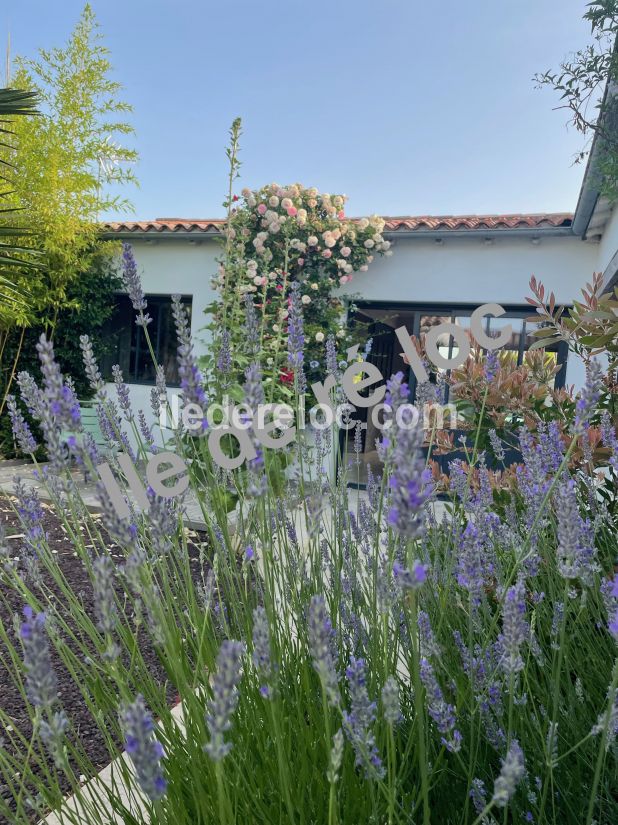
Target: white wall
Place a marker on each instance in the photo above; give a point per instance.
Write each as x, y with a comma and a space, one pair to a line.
466, 270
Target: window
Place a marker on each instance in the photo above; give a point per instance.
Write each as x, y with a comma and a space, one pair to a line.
379, 321
128, 346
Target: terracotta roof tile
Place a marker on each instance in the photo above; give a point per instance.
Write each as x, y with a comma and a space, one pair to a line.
406, 223
458, 222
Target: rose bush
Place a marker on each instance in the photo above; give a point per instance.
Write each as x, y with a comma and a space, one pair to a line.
277, 236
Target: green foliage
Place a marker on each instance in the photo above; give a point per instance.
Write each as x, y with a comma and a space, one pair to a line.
587, 84
589, 329
14, 256
89, 304
68, 158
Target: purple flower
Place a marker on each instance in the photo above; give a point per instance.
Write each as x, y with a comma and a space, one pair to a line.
320, 631
252, 329
515, 629
491, 366
588, 398
511, 774
144, 748
224, 700
30, 515
146, 431
104, 601
132, 282
498, 450
296, 335
224, 356
358, 723
473, 565
122, 392
41, 684
391, 707
21, 430
331, 355
90, 366
397, 392
410, 481
59, 395
191, 380
410, 579
478, 795
576, 549
261, 648
438, 708
254, 398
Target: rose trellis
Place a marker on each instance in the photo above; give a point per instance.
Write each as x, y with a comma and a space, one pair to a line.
277, 237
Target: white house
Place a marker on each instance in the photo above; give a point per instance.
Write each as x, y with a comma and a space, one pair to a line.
442, 268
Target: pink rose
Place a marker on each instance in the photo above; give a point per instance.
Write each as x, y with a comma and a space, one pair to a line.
261, 208
345, 251
344, 279
341, 214
327, 253
292, 211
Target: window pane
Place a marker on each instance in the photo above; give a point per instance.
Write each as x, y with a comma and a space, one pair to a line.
129, 346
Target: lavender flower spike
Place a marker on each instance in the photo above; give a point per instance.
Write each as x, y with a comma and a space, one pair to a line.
144, 749
133, 284
252, 330
224, 356
576, 548
359, 721
225, 698
191, 380
515, 629
438, 708
261, 648
410, 579
320, 645
21, 430
296, 335
41, 685
589, 396
511, 774
390, 701
91, 367
409, 481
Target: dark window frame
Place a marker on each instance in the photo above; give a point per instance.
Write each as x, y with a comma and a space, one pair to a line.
454, 310
128, 352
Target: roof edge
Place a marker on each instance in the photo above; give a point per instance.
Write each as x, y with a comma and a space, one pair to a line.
591, 184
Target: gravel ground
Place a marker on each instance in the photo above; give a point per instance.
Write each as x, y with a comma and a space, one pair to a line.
11, 604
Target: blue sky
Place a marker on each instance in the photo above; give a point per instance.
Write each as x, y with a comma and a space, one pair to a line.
408, 107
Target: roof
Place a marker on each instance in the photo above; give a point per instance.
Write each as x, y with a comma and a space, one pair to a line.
405, 224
